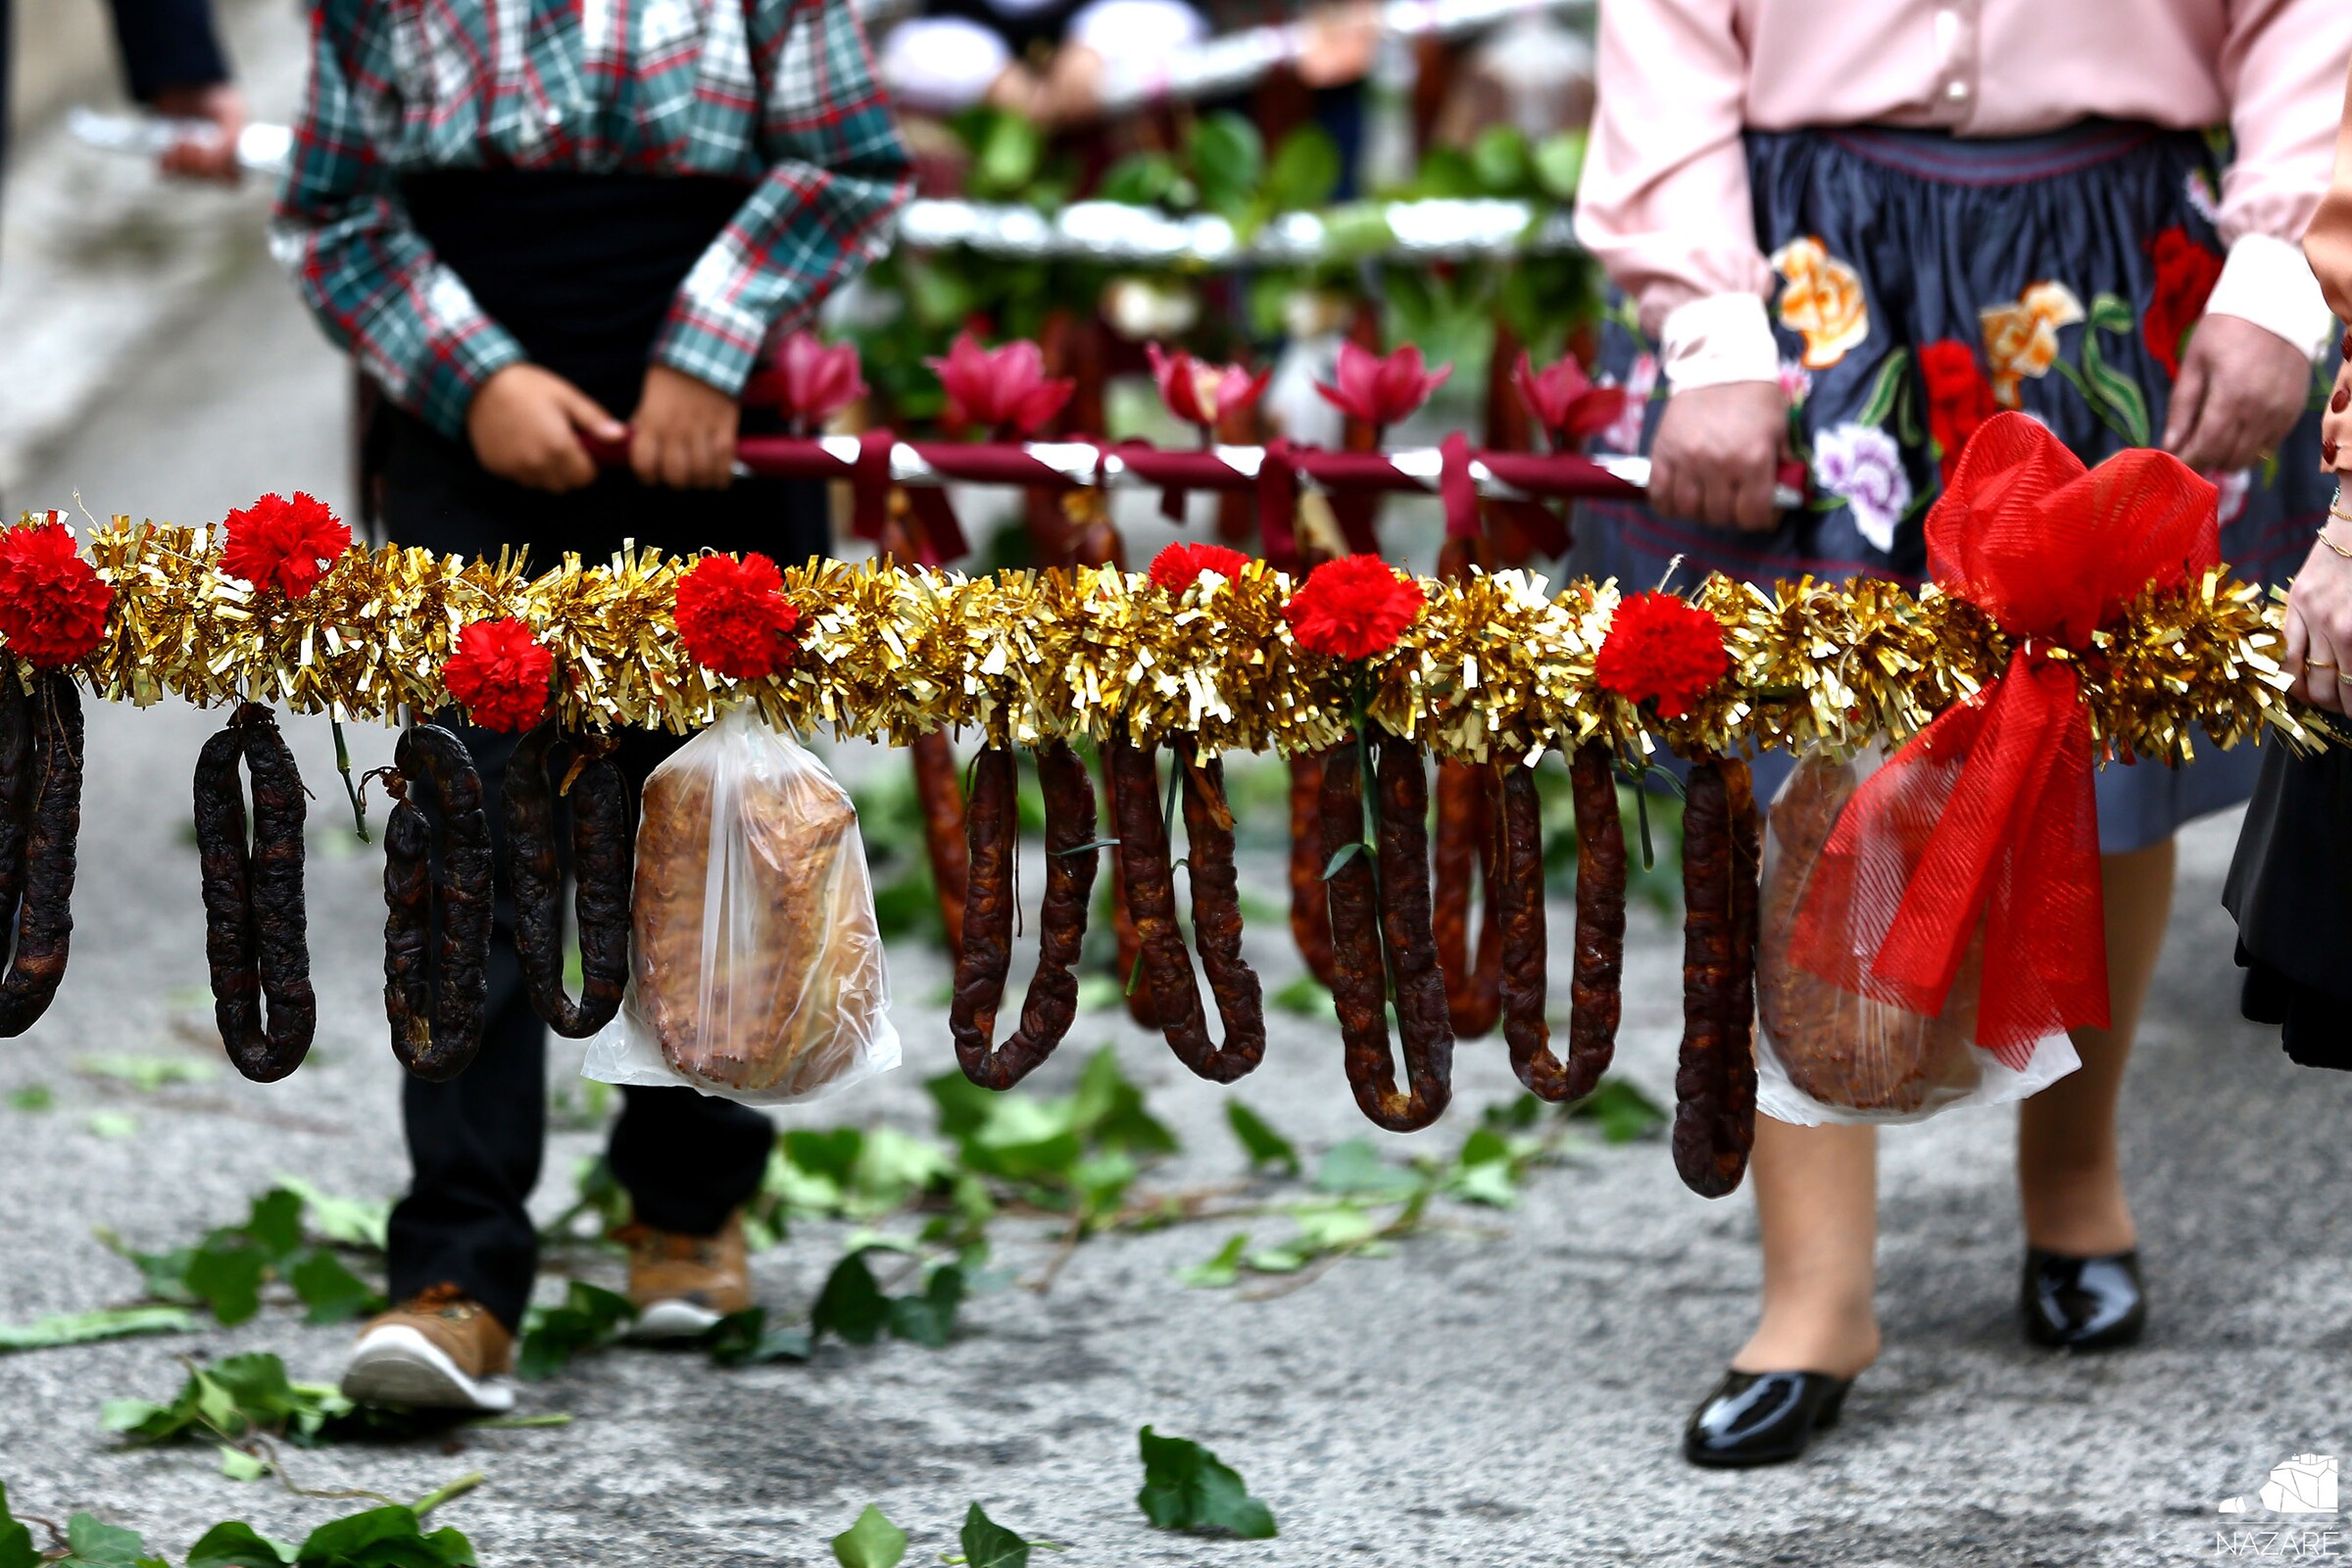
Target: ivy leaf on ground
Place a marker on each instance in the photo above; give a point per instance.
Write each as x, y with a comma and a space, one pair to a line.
332, 1292
929, 1319
107, 1323
590, 1318
33, 1098
230, 1398
1355, 1166
1109, 1111
873, 1542
1625, 1114
1486, 1171
239, 1465
92, 1545
358, 1223
744, 1338
16, 1539
1188, 1487
1220, 1272
235, 1544
851, 1306
147, 1075
1266, 1148
1307, 998
383, 1537
989, 1545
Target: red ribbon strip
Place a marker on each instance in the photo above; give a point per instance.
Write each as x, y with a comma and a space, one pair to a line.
1987, 818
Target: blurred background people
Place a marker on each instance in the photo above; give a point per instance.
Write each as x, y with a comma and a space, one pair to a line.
1852, 232
172, 62
524, 238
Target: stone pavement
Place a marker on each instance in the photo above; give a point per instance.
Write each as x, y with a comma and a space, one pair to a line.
1504, 1390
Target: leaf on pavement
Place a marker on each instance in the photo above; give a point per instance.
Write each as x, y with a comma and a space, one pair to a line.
989, 1545
873, 1542
1266, 1148
107, 1323
1187, 1488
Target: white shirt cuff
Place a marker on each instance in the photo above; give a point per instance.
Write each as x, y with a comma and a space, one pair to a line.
1720, 338
2266, 282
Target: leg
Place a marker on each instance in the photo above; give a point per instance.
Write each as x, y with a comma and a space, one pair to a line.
2067, 1167
476, 1142
1817, 1202
688, 1161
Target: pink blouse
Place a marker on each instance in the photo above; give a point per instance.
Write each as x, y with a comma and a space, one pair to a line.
1664, 202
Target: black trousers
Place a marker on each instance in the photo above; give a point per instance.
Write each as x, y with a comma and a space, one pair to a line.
686, 1159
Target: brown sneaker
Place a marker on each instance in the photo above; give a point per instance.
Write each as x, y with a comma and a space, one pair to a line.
437, 1350
683, 1285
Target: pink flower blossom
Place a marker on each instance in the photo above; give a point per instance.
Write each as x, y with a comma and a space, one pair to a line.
1003, 390
1564, 400
1200, 393
1381, 391
815, 381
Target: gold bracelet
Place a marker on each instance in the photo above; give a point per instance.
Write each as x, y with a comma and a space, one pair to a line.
2331, 544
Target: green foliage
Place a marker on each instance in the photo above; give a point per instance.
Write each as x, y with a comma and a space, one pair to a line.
1188, 1487
226, 1272
16, 1540
1305, 996
744, 1338
33, 1098
853, 1306
231, 1398
1267, 1149
873, 1542
590, 1318
989, 1545
1658, 884
82, 1328
1077, 1153
147, 1075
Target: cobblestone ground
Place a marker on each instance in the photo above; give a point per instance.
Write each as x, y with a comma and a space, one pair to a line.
1504, 1389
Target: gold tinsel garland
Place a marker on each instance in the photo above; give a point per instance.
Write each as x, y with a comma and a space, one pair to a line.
1496, 665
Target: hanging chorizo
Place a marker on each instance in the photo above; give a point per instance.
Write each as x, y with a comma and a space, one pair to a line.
435, 995
1707, 1154
50, 786
1072, 859
1143, 859
602, 861
940, 794
1310, 912
255, 945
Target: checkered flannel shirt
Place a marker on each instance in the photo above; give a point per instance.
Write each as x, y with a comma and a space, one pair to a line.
780, 92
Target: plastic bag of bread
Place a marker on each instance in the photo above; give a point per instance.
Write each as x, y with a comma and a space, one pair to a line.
755, 965
1826, 1055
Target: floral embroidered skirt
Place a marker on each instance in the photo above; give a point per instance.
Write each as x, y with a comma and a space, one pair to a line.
1928, 282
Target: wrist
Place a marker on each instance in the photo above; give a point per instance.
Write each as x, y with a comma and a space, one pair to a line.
1718, 339
2266, 282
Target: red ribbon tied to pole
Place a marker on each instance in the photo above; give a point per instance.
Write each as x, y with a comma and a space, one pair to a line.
1988, 814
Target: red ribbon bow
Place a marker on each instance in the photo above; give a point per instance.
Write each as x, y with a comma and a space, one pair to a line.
1988, 814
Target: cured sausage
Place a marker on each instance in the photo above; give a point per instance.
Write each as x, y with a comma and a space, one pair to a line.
1594, 999
1366, 938
1710, 1150
255, 943
1310, 913
1464, 852
1526, 947
603, 859
1143, 859
1072, 855
435, 995
940, 794
50, 788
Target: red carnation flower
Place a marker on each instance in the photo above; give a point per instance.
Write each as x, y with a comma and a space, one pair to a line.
500, 672
1664, 650
2185, 272
733, 616
1959, 398
1181, 564
1353, 608
52, 604
289, 543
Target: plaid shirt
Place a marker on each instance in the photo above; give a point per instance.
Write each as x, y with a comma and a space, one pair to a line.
780, 92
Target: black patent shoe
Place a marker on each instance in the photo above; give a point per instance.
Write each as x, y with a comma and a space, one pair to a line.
2084, 1303
1762, 1418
